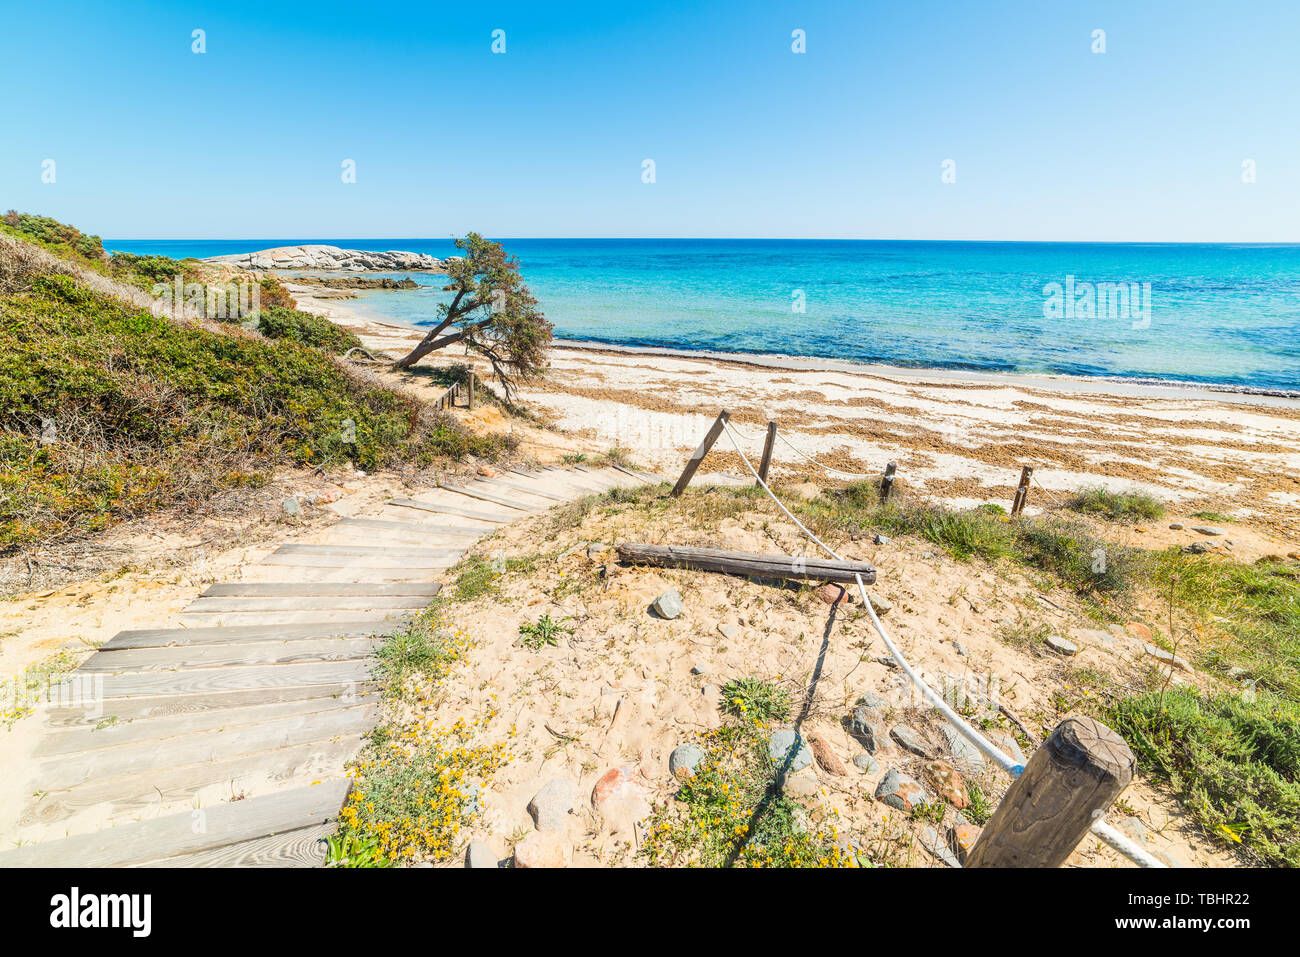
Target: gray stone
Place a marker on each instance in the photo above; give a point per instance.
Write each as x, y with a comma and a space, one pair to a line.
728, 631
888, 662
1167, 657
909, 739
900, 791
960, 648
596, 549
863, 727
699, 668
938, 847
551, 805
1064, 645
786, 746
1208, 530
684, 760
1176, 526
291, 507
865, 763
480, 854
1134, 829
880, 603
707, 690
881, 539
1005, 742
1200, 548
872, 701
669, 605
965, 756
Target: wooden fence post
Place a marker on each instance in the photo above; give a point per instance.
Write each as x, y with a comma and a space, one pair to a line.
767, 452
471, 390
698, 455
887, 483
1048, 810
1022, 491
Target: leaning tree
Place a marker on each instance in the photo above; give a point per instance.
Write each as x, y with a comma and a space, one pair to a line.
491, 312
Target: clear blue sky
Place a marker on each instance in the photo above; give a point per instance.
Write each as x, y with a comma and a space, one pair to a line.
1050, 141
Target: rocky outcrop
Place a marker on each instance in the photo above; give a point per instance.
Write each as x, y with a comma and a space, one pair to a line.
333, 257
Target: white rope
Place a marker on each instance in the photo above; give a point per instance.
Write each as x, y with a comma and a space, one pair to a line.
975, 738
1130, 849
804, 455
1099, 827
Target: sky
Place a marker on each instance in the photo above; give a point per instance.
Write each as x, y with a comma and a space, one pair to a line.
1048, 140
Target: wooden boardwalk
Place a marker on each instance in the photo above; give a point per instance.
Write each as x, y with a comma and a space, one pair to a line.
223, 740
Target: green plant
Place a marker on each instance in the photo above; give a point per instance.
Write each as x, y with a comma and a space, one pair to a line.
1209, 515
542, 633
277, 322
351, 850
1231, 760
755, 700
477, 576
979, 810
1117, 506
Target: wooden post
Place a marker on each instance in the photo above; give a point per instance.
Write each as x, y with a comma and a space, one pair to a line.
767, 452
1072, 778
471, 389
887, 483
698, 455
1022, 490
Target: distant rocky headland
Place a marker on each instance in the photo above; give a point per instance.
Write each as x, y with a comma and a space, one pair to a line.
356, 282
333, 257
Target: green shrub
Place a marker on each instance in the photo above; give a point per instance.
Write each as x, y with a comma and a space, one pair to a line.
107, 411
1231, 761
277, 322
1116, 506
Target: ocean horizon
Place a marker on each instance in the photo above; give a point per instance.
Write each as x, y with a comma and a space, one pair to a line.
1211, 314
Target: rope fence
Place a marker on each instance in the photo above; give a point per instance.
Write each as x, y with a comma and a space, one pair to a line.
1095, 822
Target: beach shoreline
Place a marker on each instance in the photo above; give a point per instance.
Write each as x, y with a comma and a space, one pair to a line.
346, 312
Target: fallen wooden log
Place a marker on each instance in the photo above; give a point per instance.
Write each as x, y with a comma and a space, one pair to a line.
747, 563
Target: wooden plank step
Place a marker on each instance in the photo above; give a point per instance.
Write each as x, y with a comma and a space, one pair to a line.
487, 496
520, 487
210, 606
198, 680
148, 708
441, 509
304, 847
175, 834
88, 737
360, 563
368, 551
120, 661
647, 478
179, 637
66, 771
322, 616
199, 784
313, 589
415, 528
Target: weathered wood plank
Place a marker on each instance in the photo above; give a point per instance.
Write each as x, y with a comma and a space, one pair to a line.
120, 661
88, 737
146, 708
175, 834
360, 563
487, 496
70, 770
179, 637
368, 551
413, 528
233, 679
747, 563
304, 847
210, 606
520, 487
693, 464
204, 784
327, 589
451, 510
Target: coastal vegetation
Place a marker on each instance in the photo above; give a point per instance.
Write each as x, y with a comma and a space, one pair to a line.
110, 411
491, 312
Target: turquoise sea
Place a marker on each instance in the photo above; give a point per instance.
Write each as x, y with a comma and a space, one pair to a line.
1223, 314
